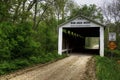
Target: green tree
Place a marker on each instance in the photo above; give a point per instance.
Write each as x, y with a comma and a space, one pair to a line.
91, 12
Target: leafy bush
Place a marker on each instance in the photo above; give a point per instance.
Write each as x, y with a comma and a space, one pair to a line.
17, 41
26, 45
20, 63
6, 40
114, 53
6, 67
34, 59
46, 58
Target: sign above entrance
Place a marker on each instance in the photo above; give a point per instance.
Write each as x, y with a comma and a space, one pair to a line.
80, 21
86, 22
112, 36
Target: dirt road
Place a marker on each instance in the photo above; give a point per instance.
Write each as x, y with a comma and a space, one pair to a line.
70, 68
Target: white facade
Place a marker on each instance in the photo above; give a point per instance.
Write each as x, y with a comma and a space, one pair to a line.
80, 23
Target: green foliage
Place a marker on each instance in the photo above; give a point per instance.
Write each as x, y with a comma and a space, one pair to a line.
91, 12
34, 59
107, 69
6, 67
45, 58
47, 35
20, 63
6, 40
17, 41
12, 65
26, 45
4, 10
115, 54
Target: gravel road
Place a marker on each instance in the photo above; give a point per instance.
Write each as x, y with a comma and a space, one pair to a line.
70, 68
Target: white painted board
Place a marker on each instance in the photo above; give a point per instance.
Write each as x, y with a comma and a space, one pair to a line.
112, 36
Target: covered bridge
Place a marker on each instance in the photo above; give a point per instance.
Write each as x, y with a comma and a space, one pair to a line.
72, 34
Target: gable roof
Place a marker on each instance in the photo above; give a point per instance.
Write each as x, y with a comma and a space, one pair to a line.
91, 20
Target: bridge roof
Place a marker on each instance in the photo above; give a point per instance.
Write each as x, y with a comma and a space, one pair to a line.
83, 17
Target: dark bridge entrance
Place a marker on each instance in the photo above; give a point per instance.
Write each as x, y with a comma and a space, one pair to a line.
75, 39
74, 33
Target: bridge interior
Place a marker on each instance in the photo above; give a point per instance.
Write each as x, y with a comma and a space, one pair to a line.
74, 39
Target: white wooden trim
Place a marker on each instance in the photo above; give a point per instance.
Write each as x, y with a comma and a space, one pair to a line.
60, 41
101, 41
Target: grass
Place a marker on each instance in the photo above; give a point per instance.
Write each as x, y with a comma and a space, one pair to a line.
13, 65
107, 69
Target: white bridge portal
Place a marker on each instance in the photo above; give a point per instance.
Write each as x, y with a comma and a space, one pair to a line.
72, 34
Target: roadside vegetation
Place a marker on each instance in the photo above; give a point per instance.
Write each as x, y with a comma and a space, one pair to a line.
20, 63
107, 69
